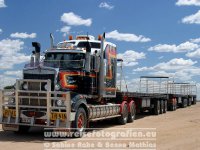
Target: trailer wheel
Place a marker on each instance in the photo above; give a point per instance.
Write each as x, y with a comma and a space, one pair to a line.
124, 116
22, 129
161, 106
165, 106
131, 115
189, 102
194, 100
80, 123
157, 108
175, 105
184, 103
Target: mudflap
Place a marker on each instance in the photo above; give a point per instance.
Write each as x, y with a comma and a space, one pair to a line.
10, 127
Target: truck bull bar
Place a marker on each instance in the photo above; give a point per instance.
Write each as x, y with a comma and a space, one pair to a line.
35, 100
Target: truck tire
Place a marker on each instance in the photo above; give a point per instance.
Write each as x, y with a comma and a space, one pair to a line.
184, 103
124, 116
171, 107
165, 106
161, 106
22, 129
131, 115
195, 101
80, 123
189, 102
157, 108
175, 105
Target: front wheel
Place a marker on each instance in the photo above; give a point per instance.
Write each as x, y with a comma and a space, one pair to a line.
80, 123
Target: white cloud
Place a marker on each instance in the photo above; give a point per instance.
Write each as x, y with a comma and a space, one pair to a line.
105, 5
188, 2
126, 37
75, 20
182, 75
131, 84
173, 64
6, 81
1, 31
10, 47
162, 73
2, 4
179, 73
10, 54
183, 47
197, 40
23, 35
194, 54
192, 19
8, 62
17, 73
65, 29
130, 57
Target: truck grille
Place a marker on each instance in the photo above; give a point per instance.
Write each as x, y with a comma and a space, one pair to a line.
35, 86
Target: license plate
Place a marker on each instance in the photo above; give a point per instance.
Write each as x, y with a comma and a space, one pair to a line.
58, 115
26, 120
9, 112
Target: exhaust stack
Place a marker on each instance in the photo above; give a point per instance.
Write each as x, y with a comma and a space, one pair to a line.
88, 57
52, 40
36, 45
101, 71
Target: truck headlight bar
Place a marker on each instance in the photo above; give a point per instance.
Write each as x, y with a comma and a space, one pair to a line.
59, 102
25, 86
11, 101
57, 87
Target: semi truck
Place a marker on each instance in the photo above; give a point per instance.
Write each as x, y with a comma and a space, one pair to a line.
72, 85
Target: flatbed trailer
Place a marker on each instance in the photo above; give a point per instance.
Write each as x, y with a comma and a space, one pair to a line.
156, 103
181, 95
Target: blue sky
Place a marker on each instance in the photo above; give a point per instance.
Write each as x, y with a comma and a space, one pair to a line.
159, 37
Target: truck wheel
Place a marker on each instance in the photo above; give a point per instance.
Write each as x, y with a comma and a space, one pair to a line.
175, 105
189, 102
165, 106
195, 101
80, 123
124, 116
22, 129
161, 106
184, 103
171, 107
157, 108
131, 115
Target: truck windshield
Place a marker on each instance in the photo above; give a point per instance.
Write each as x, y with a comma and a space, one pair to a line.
64, 60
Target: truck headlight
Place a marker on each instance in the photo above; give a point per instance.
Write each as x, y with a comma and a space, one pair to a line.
25, 86
59, 102
11, 101
46, 87
57, 87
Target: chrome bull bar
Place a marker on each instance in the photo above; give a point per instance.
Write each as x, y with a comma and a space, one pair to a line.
32, 100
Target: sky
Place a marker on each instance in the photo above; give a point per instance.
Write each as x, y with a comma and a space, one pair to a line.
157, 37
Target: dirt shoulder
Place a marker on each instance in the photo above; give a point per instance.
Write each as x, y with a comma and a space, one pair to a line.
179, 129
